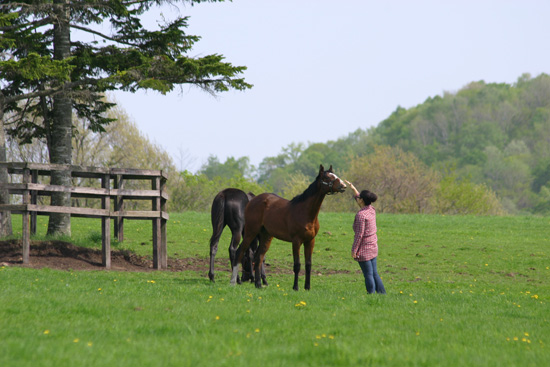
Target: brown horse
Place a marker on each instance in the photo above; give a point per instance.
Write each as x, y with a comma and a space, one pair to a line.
268, 216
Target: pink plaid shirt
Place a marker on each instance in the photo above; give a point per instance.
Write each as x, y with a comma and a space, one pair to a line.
365, 243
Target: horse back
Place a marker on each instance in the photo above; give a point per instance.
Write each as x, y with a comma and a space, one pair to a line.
271, 213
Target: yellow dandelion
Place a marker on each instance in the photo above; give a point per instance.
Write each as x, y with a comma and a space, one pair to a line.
217, 317
526, 334
99, 289
76, 340
90, 344
46, 332
331, 336
256, 330
415, 301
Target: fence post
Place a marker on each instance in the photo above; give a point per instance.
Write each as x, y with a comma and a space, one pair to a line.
26, 235
34, 200
106, 224
119, 207
157, 227
163, 239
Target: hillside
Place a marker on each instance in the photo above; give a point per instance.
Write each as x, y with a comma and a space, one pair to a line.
498, 134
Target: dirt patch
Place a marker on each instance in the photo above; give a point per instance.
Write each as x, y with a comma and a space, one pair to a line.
62, 255
66, 256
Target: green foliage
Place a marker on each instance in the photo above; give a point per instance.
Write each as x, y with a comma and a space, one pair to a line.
461, 292
453, 196
232, 168
197, 191
403, 183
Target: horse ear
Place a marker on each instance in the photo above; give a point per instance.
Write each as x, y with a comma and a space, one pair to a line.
321, 169
330, 169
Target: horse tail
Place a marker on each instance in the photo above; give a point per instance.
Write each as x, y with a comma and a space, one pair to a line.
217, 216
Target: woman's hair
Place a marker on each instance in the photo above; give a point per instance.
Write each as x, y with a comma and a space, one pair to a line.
368, 197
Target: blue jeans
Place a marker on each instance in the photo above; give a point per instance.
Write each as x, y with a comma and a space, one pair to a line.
372, 279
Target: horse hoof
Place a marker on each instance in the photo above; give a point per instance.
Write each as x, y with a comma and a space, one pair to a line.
264, 282
258, 285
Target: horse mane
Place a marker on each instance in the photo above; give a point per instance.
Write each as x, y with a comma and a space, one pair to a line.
310, 191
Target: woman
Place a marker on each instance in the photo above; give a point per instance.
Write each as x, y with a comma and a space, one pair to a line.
365, 244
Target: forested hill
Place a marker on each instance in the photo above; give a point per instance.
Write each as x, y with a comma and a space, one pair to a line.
486, 137
498, 134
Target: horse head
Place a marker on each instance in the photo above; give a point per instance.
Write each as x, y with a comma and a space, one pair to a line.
330, 181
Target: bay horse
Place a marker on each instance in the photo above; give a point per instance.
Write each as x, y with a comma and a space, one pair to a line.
295, 221
228, 210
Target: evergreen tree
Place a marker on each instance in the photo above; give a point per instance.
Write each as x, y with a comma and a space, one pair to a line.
56, 60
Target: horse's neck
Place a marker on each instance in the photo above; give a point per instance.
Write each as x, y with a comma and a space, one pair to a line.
313, 205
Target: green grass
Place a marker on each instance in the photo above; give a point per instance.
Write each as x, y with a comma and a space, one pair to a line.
462, 291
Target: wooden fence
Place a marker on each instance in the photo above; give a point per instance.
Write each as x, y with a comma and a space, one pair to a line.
112, 195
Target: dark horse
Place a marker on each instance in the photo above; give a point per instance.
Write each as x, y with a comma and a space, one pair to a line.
228, 210
268, 216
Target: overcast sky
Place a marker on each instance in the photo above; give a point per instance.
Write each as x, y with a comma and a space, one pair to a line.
323, 69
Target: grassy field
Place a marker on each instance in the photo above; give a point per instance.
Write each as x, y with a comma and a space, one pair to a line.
462, 291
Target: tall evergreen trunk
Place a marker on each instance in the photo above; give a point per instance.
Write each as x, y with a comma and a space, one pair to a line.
5, 217
59, 145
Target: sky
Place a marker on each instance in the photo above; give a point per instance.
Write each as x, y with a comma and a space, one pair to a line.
323, 69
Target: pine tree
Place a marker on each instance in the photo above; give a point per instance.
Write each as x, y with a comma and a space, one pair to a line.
56, 61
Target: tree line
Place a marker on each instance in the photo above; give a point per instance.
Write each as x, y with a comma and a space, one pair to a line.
496, 162
486, 135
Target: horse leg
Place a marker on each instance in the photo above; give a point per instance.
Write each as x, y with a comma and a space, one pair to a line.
296, 255
264, 277
254, 248
247, 266
214, 240
243, 247
247, 263
233, 246
308, 252
265, 242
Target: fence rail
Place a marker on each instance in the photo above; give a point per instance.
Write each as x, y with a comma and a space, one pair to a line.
113, 182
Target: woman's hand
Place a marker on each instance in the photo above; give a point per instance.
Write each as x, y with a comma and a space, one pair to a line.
356, 193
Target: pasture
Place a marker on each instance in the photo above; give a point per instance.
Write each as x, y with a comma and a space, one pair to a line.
462, 291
